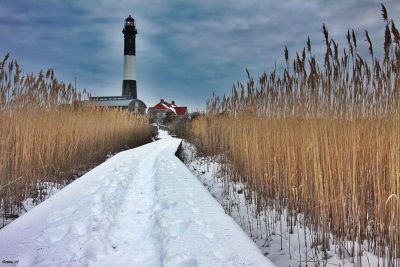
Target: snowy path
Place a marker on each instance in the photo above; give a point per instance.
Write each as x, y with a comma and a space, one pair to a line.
142, 207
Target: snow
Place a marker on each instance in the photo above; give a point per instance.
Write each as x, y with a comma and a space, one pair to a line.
43, 191
170, 108
142, 207
270, 230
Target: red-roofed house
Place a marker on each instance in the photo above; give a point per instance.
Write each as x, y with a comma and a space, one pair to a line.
163, 108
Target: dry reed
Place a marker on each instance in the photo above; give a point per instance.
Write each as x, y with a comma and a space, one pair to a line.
319, 141
47, 136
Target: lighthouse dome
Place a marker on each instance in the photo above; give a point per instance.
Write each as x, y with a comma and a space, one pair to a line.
129, 21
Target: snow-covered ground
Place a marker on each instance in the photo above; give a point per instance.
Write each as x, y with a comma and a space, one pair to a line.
268, 228
142, 207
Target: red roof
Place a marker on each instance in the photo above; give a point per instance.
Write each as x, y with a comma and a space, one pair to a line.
170, 107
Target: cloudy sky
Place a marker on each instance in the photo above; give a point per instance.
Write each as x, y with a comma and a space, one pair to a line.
186, 50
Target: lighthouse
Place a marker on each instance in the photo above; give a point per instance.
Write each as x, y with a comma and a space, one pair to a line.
128, 100
129, 76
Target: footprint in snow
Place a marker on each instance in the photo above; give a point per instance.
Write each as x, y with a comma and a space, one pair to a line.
209, 235
195, 210
164, 205
54, 234
90, 190
181, 261
58, 215
199, 222
79, 226
178, 228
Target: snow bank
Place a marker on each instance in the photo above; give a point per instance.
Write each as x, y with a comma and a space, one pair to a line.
142, 207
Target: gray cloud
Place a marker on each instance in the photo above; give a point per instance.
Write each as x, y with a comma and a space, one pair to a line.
185, 50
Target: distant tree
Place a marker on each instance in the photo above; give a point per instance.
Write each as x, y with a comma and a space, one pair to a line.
169, 117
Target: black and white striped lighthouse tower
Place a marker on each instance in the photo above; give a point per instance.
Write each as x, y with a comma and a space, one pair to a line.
129, 82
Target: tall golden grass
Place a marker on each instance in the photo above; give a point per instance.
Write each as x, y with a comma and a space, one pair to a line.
47, 136
323, 141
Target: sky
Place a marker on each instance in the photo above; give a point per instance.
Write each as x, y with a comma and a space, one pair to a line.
185, 50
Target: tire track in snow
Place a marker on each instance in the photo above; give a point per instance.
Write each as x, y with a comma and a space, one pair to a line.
132, 228
184, 235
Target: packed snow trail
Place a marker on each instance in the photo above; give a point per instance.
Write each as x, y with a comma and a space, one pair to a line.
142, 207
